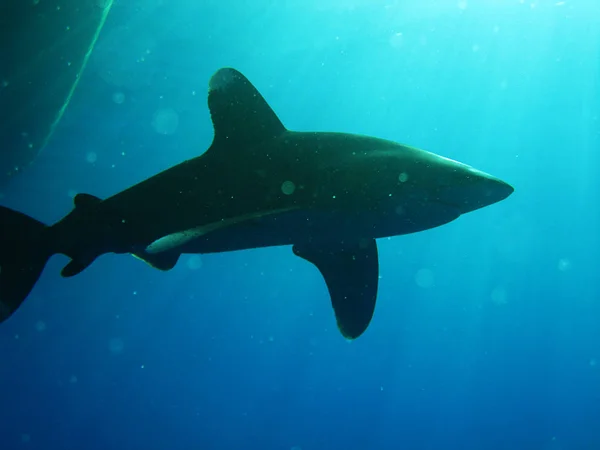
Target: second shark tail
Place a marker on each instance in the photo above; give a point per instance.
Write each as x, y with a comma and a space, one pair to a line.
24, 252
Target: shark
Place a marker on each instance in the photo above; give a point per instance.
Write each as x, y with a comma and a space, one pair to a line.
329, 195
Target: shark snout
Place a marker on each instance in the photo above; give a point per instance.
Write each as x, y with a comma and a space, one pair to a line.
473, 189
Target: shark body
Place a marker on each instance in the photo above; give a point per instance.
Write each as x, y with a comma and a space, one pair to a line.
329, 195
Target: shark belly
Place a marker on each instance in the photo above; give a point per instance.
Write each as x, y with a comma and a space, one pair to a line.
317, 227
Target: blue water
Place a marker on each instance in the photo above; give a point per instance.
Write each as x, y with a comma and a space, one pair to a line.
487, 330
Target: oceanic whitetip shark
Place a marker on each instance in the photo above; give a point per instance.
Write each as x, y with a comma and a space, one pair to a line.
329, 195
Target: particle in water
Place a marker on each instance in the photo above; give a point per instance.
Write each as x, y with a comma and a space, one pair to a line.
116, 346
91, 157
564, 264
499, 296
424, 278
118, 98
165, 121
396, 40
194, 262
288, 187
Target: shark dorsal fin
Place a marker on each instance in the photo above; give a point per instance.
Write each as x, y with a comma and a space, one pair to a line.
85, 200
240, 115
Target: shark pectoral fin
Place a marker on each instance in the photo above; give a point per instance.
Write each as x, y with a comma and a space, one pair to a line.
351, 272
241, 117
161, 261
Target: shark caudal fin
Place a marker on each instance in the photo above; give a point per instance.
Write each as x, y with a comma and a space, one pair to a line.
23, 255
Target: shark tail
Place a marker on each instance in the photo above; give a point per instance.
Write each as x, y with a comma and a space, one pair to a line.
24, 252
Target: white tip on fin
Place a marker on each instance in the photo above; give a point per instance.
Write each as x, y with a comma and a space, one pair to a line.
221, 79
181, 238
174, 240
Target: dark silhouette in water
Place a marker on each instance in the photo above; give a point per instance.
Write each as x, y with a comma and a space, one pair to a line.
44, 46
330, 195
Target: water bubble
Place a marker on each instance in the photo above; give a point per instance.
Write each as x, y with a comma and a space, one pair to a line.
288, 187
499, 296
91, 157
403, 177
40, 326
564, 264
396, 40
116, 346
118, 98
165, 121
194, 262
424, 278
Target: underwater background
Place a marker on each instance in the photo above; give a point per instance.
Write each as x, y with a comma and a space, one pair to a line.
487, 330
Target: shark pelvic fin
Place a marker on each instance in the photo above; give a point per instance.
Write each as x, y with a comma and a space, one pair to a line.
180, 238
161, 261
351, 272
